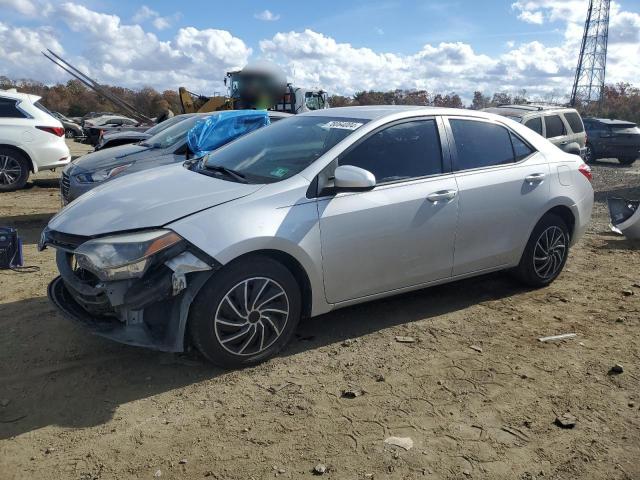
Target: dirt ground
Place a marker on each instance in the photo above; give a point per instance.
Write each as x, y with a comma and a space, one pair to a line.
476, 392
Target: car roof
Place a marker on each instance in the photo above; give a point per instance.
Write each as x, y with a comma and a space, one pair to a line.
372, 112
13, 94
524, 109
609, 121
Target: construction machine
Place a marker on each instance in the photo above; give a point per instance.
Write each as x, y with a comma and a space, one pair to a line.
256, 87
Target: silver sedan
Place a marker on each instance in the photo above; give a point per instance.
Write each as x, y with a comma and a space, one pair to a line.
316, 212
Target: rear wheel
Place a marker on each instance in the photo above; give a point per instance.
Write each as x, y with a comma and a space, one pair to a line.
14, 170
626, 160
546, 252
246, 312
69, 133
589, 156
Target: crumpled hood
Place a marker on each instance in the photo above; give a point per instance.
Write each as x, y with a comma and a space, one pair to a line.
146, 199
103, 158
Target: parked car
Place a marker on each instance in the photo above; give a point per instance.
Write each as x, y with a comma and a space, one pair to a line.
71, 128
612, 139
114, 138
31, 139
562, 126
167, 146
96, 127
319, 211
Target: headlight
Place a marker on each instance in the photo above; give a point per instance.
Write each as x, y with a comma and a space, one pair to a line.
102, 175
125, 256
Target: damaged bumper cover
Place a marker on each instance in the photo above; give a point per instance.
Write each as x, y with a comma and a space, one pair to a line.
150, 311
625, 217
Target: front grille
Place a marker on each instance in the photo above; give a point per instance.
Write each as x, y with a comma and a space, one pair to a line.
65, 183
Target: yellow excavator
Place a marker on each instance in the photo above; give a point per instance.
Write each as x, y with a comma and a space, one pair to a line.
260, 86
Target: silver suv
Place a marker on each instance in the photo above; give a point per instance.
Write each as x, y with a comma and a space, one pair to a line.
562, 126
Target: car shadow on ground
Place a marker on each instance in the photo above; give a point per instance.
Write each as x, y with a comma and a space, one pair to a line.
43, 183
55, 373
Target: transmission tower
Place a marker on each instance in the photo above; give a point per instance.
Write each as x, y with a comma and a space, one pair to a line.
588, 85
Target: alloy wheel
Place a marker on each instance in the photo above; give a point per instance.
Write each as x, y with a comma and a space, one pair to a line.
251, 316
588, 154
549, 252
10, 170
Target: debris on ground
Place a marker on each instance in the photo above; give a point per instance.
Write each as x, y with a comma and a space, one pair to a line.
617, 369
4, 402
158, 474
402, 442
566, 420
476, 348
404, 339
348, 342
319, 469
352, 392
553, 338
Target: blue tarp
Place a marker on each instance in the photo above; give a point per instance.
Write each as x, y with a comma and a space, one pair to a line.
219, 129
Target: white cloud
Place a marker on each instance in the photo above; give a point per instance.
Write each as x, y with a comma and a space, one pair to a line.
24, 7
123, 54
20, 55
145, 13
161, 23
267, 16
535, 17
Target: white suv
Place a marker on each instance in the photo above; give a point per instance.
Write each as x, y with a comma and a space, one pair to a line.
31, 139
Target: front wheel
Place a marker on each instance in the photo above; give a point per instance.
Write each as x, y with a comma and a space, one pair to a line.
546, 252
246, 312
626, 161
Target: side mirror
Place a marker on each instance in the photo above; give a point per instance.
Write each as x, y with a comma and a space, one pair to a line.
348, 178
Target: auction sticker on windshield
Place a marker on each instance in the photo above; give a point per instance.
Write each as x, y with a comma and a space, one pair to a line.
343, 125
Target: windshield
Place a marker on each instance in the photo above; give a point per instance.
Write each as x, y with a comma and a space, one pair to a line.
283, 149
166, 124
173, 134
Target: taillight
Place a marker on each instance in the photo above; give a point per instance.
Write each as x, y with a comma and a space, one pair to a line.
586, 171
57, 131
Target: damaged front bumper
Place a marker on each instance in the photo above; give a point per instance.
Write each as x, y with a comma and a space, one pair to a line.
149, 312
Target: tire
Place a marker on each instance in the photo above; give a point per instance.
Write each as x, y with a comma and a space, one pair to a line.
14, 170
628, 161
218, 316
69, 133
537, 269
589, 155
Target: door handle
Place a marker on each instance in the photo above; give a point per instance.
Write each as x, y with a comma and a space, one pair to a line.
442, 195
534, 177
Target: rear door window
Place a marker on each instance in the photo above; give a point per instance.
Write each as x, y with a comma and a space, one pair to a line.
9, 109
554, 126
402, 151
481, 144
574, 122
535, 124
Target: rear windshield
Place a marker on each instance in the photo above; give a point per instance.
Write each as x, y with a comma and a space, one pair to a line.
43, 108
283, 149
574, 122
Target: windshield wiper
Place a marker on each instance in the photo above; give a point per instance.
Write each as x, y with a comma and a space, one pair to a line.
229, 172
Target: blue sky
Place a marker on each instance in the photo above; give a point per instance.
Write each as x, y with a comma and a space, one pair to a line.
389, 25
457, 45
